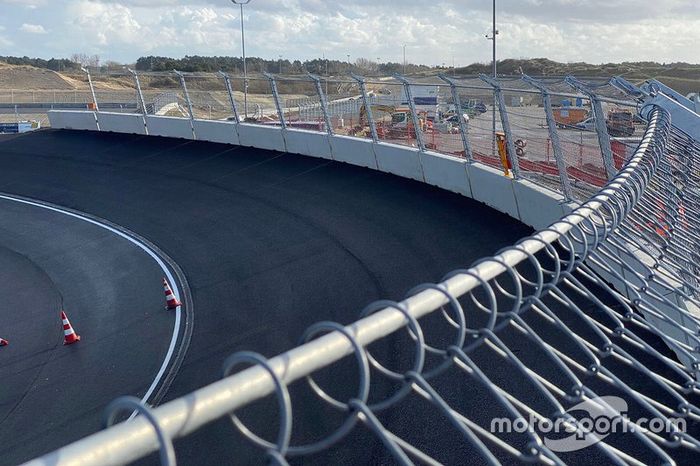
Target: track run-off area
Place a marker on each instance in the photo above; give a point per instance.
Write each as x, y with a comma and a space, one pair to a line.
267, 244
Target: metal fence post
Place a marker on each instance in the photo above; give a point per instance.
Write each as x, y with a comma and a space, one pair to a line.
368, 108
232, 101
322, 102
187, 99
276, 97
601, 127
553, 136
463, 130
414, 112
92, 89
510, 143
94, 98
139, 94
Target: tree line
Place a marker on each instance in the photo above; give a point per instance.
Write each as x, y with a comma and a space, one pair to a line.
55, 64
320, 66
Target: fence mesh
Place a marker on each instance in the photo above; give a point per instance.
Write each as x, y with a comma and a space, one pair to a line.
593, 318
209, 97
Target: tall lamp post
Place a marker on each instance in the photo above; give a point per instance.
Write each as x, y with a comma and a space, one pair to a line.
404, 59
245, 71
494, 33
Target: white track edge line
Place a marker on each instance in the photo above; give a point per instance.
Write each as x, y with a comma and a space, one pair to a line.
154, 256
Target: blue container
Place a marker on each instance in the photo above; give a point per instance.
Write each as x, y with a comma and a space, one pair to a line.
579, 102
566, 103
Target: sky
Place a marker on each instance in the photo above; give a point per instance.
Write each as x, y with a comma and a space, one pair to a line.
435, 32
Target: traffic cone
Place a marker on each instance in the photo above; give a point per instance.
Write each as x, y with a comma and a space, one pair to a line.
4, 342
171, 301
69, 335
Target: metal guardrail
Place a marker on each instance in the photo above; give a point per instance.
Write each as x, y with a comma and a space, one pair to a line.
639, 232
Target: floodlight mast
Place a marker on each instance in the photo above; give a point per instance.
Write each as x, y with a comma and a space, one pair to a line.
245, 71
494, 33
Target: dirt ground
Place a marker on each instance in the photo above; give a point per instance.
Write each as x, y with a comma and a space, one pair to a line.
30, 78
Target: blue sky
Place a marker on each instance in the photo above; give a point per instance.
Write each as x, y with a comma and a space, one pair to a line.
435, 32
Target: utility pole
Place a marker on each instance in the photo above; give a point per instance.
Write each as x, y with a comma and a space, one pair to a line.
326, 61
404, 59
494, 33
245, 70
280, 64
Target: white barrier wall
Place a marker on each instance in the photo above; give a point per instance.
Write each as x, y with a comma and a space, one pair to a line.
539, 205
169, 127
216, 131
121, 123
309, 143
261, 137
399, 160
354, 151
493, 189
531, 204
73, 119
448, 173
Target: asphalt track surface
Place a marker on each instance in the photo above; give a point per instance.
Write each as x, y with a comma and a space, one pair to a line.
111, 291
270, 243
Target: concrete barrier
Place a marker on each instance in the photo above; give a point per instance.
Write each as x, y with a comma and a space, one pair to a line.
169, 127
493, 189
311, 143
448, 173
355, 151
399, 160
121, 122
521, 199
73, 119
261, 137
216, 131
537, 206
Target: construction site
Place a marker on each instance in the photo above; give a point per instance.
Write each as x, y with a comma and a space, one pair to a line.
438, 111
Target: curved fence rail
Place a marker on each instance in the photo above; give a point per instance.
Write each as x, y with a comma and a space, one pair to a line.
595, 314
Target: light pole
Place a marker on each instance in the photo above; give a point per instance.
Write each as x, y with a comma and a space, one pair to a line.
494, 33
404, 59
245, 71
280, 64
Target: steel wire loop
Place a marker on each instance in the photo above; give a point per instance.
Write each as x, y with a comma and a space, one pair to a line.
167, 451
283, 400
416, 334
362, 392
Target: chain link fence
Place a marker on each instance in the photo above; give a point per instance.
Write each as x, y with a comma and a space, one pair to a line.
497, 362
594, 126
544, 308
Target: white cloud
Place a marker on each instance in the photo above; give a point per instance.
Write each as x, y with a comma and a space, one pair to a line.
33, 28
566, 30
29, 4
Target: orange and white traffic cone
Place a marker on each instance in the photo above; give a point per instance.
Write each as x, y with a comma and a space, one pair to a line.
69, 335
4, 342
171, 301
